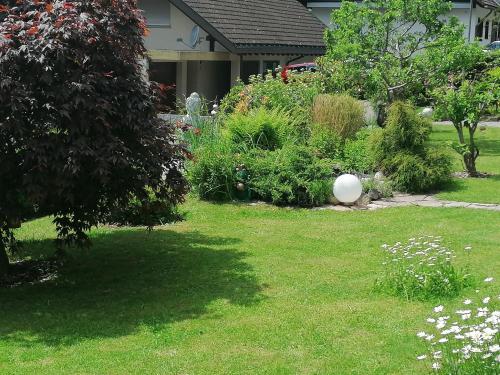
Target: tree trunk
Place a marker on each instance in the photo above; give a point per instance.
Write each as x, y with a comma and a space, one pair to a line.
4, 261
381, 114
470, 158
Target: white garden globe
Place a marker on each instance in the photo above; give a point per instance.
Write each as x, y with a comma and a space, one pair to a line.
347, 188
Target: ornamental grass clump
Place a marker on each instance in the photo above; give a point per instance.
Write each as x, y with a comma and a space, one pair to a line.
465, 341
422, 269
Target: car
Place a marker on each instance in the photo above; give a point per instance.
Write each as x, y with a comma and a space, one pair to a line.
302, 67
493, 46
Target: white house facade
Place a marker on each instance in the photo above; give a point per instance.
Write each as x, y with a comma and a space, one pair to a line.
205, 45
480, 17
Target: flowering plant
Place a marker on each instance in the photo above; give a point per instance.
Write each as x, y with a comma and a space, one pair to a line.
467, 340
422, 268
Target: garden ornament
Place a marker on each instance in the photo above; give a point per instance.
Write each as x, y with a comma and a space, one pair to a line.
347, 188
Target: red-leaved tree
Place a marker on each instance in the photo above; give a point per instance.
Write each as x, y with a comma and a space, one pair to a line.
79, 132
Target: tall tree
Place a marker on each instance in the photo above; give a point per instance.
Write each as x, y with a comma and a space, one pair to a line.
382, 41
79, 132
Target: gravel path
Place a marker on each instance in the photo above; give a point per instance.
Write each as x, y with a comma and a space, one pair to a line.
493, 124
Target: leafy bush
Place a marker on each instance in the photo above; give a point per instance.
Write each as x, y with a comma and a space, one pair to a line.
421, 269
295, 97
291, 175
400, 150
206, 131
148, 211
356, 156
79, 131
325, 142
341, 114
261, 128
212, 172
465, 341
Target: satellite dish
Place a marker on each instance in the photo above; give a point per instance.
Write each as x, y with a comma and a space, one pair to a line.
195, 37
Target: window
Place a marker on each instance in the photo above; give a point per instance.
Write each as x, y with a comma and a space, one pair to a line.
249, 68
479, 29
157, 12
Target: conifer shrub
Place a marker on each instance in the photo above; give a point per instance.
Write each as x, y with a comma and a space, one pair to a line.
402, 153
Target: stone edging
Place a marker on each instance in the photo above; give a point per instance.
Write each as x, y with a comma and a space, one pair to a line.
404, 200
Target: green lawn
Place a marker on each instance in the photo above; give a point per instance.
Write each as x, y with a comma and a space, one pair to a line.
480, 190
233, 290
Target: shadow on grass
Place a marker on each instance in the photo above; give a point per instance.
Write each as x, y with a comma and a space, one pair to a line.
129, 279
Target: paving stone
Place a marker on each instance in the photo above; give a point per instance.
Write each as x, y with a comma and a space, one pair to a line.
483, 206
434, 203
455, 204
407, 198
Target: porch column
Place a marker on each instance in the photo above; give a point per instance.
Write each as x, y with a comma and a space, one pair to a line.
181, 80
235, 68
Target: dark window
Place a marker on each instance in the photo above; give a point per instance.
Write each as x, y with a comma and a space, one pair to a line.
249, 68
479, 29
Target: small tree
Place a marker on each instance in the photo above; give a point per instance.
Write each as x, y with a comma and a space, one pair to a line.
381, 44
79, 132
465, 99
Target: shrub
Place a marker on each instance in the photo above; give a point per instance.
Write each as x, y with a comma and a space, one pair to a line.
400, 150
261, 128
291, 175
79, 131
356, 156
272, 93
326, 143
421, 269
148, 211
205, 131
212, 172
465, 341
341, 114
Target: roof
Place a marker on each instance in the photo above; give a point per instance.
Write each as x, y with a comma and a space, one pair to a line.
490, 4
258, 26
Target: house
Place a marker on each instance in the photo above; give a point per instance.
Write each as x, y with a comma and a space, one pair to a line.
480, 17
205, 45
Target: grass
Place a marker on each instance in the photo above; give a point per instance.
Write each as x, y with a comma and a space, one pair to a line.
235, 289
479, 190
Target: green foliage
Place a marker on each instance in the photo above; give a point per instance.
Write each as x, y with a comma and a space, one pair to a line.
261, 128
415, 173
212, 172
291, 175
377, 50
400, 150
272, 93
205, 131
232, 98
356, 156
421, 269
341, 114
326, 143
148, 211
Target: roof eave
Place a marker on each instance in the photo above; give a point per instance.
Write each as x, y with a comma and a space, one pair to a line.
200, 21
281, 50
